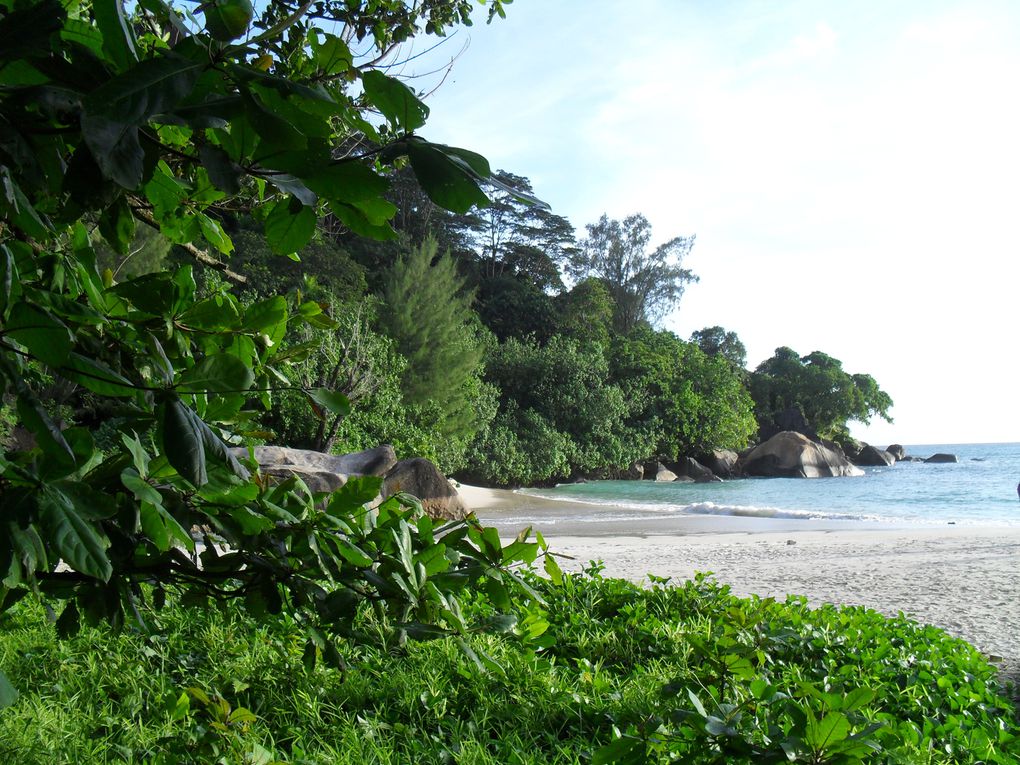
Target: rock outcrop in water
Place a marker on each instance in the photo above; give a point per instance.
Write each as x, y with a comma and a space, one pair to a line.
794, 455
872, 456
689, 467
720, 461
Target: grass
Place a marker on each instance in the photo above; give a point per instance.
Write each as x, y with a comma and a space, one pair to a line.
607, 672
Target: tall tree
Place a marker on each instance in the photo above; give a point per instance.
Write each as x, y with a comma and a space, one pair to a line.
514, 235
716, 341
645, 283
428, 314
817, 384
559, 415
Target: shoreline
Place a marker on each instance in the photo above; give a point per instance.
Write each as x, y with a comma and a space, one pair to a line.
956, 577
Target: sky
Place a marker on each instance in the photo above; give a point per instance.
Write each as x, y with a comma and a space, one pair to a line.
851, 172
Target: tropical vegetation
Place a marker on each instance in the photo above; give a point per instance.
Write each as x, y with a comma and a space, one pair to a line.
606, 672
221, 228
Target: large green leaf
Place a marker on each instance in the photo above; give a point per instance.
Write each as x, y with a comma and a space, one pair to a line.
288, 184
357, 221
8, 693
188, 442
116, 149
353, 495
114, 110
162, 528
352, 553
81, 544
20, 213
218, 373
332, 55
445, 181
45, 336
152, 86
289, 226
395, 100
182, 441
223, 172
265, 314
152, 293
48, 435
347, 182
333, 401
118, 37
824, 733
211, 314
96, 376
140, 488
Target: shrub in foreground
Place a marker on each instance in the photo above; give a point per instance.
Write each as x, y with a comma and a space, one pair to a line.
605, 672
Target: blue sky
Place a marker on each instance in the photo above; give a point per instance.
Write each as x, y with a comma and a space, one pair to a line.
851, 171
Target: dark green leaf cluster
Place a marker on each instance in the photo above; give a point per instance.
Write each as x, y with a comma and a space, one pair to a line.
113, 118
827, 395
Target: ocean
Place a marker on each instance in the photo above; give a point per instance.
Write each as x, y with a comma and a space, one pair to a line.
979, 490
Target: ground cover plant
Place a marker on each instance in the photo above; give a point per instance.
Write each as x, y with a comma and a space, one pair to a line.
605, 672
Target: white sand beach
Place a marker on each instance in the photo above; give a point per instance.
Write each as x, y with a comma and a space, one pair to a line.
965, 580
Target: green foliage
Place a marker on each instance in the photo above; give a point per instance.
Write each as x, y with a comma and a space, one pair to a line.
586, 312
514, 307
429, 316
514, 236
716, 341
817, 384
609, 672
111, 119
684, 401
644, 283
559, 415
351, 357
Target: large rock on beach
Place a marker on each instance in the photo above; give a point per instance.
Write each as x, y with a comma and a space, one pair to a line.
941, 458
850, 448
653, 470
897, 451
794, 455
319, 471
691, 468
719, 461
633, 472
664, 474
420, 478
871, 456
316, 480
375, 461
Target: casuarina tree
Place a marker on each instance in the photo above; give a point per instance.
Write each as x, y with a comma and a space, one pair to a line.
645, 283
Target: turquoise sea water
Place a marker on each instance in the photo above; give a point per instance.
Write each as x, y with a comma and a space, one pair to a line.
981, 489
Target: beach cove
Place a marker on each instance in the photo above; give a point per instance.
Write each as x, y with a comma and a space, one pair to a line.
962, 579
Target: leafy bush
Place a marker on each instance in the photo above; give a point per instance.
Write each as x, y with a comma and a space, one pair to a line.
606, 672
559, 415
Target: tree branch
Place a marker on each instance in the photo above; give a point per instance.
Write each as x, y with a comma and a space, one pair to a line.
201, 256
